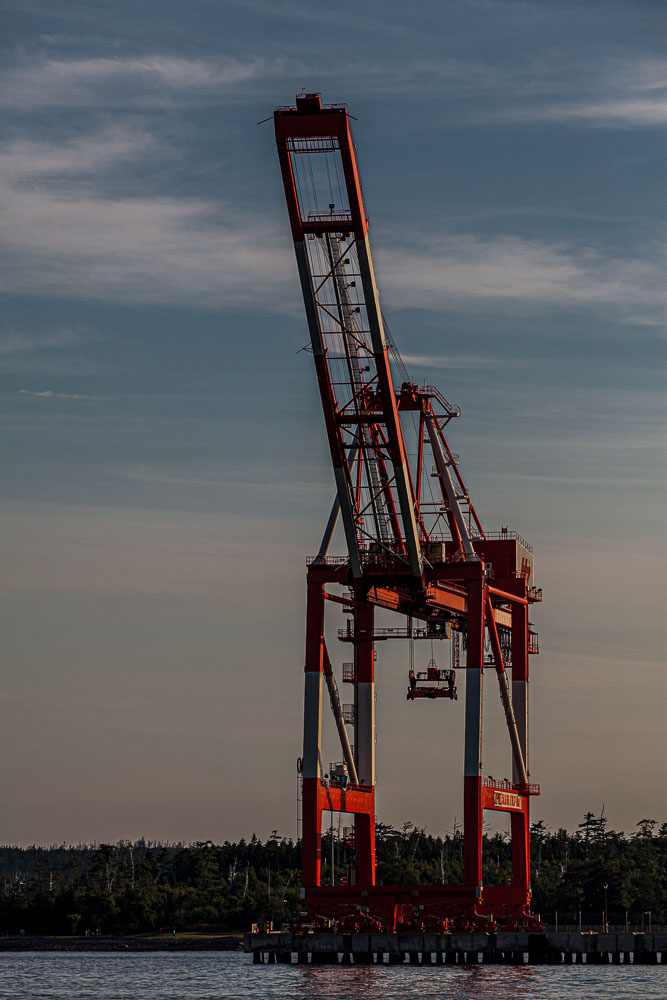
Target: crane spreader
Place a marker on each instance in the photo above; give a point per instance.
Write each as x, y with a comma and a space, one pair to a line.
415, 547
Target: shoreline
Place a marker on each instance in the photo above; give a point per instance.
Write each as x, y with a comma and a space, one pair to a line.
112, 942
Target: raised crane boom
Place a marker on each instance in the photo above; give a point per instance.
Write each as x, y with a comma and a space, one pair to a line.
375, 491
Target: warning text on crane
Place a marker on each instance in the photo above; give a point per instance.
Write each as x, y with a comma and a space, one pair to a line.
507, 800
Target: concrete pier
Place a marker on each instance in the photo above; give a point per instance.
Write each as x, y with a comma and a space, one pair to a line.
546, 948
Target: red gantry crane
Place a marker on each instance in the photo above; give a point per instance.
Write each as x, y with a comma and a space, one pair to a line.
415, 547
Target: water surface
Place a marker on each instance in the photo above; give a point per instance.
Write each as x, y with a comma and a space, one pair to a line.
232, 976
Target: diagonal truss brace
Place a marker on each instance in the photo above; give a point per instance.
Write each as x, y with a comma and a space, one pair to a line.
337, 711
517, 753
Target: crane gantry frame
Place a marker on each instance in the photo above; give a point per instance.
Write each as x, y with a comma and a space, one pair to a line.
425, 558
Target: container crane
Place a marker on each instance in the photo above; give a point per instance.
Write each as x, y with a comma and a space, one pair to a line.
415, 547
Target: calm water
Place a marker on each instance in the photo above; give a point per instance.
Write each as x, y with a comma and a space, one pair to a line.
232, 976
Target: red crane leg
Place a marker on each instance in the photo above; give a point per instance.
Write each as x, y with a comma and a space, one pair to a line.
364, 826
521, 847
520, 674
312, 832
520, 661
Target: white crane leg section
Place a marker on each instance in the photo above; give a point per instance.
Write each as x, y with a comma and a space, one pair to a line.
520, 704
312, 724
365, 726
472, 764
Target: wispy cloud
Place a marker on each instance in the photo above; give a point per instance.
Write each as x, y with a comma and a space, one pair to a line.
51, 394
23, 161
142, 250
19, 343
151, 80
462, 361
632, 112
59, 351
458, 270
67, 240
624, 93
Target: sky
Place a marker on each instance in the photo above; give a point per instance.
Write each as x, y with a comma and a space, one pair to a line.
165, 472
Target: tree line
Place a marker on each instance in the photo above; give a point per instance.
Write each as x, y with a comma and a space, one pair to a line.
141, 887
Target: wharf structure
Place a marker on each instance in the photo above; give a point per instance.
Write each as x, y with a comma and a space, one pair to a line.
502, 948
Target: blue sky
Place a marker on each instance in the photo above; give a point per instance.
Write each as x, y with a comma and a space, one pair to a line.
165, 466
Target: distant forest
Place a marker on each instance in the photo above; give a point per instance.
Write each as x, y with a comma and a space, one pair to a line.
133, 888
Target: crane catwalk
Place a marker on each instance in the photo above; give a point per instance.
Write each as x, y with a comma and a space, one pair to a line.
418, 552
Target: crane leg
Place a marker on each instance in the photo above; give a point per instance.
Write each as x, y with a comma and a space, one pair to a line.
312, 735
472, 783
520, 821
365, 739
